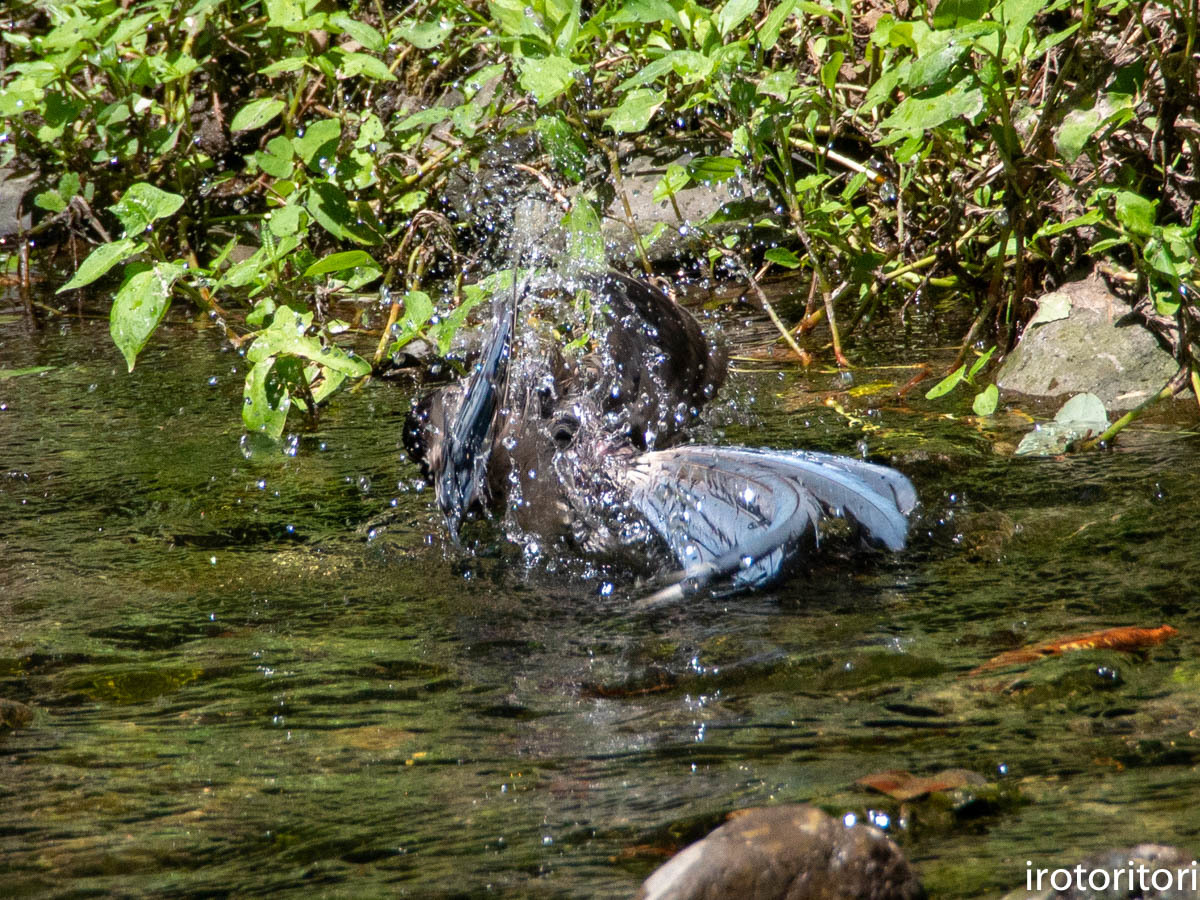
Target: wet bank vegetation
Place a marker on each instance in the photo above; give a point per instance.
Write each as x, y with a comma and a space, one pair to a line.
333, 187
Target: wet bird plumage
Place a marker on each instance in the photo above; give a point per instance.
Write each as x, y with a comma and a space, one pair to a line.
588, 451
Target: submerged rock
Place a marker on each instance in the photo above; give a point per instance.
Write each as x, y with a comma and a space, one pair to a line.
794, 852
1084, 340
14, 714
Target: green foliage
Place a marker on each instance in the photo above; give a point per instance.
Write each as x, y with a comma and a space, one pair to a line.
985, 401
290, 365
319, 144
140, 304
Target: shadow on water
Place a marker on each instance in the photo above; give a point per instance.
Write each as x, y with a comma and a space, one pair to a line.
236, 691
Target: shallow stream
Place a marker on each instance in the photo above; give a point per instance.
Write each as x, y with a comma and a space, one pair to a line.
236, 689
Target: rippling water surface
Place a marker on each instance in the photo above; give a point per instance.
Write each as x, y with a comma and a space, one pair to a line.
236, 689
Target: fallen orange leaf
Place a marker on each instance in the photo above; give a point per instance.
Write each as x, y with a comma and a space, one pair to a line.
901, 785
1126, 639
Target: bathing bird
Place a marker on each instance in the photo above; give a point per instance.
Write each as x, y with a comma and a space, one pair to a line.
589, 452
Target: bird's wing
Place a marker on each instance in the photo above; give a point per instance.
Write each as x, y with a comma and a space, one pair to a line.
462, 478
659, 368
736, 513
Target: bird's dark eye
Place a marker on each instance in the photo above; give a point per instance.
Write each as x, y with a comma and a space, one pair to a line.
563, 431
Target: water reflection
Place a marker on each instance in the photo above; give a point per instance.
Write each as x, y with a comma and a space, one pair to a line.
237, 691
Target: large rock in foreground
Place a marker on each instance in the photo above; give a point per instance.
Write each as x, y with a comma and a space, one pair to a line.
792, 852
1082, 339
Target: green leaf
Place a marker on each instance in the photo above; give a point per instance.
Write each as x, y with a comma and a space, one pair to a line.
265, 400
466, 118
733, 14
1016, 16
287, 64
425, 35
781, 256
129, 27
883, 87
1051, 307
19, 98
288, 334
1076, 130
325, 64
327, 385
830, 69
933, 66
648, 12
318, 145
142, 204
360, 31
1163, 260
952, 13
409, 202
276, 159
69, 184
516, 17
636, 111
768, 32
423, 117
1136, 213
777, 83
59, 112
547, 78
1108, 243
51, 201
1080, 416
28, 370
331, 209
481, 78
917, 114
980, 363
567, 151
171, 66
262, 310
947, 384
418, 308
585, 240
1166, 303
256, 114
986, 400
445, 330
294, 15
1051, 40
338, 262
260, 265
364, 64
688, 65
674, 180
139, 306
713, 169
655, 234
100, 260
1091, 217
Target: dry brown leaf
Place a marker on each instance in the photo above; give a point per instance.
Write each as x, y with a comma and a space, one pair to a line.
1126, 639
903, 786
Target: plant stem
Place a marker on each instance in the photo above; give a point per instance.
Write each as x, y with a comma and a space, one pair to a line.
1176, 384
